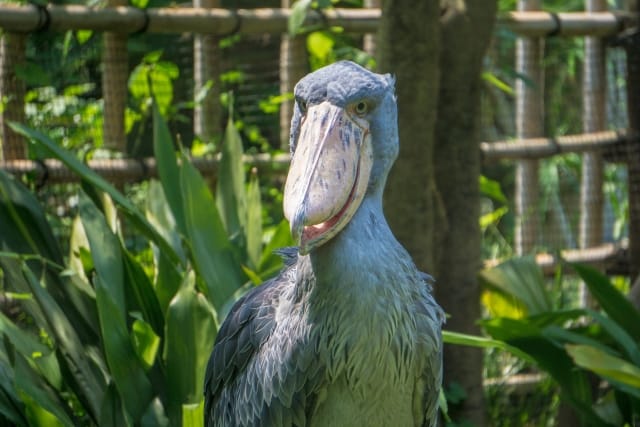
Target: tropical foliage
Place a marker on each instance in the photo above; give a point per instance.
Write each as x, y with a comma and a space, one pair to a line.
577, 348
109, 336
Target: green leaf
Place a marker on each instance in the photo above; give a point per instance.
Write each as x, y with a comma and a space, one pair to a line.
168, 170
190, 332
281, 237
210, 248
43, 406
140, 294
145, 342
253, 227
230, 191
450, 337
298, 15
193, 414
38, 355
493, 80
127, 207
91, 385
609, 367
615, 304
320, 44
522, 279
626, 342
493, 217
23, 222
158, 212
125, 367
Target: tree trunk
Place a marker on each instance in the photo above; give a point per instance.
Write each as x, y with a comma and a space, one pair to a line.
408, 47
457, 246
432, 198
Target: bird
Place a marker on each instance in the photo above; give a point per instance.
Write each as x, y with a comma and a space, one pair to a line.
348, 333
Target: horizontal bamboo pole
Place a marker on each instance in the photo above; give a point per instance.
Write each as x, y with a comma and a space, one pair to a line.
132, 170
119, 171
610, 257
29, 18
177, 20
536, 148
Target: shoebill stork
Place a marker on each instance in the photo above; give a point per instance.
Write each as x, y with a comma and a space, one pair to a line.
348, 333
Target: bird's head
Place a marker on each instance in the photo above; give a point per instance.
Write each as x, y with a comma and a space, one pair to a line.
344, 138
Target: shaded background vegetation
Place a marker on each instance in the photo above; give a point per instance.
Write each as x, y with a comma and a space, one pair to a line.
158, 237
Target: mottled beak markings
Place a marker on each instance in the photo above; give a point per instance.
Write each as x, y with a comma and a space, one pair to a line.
329, 174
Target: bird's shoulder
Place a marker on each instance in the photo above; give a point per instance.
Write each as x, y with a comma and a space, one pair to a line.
245, 329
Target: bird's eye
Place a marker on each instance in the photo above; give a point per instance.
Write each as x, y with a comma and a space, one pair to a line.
361, 108
302, 105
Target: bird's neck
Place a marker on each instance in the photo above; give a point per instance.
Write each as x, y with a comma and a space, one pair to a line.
366, 246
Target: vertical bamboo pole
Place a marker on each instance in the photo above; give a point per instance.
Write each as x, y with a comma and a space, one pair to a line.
593, 120
12, 91
114, 86
207, 68
529, 124
369, 42
632, 45
293, 66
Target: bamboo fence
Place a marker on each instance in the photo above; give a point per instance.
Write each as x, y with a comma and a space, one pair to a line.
207, 22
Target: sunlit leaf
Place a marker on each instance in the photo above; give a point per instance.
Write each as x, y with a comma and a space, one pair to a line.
145, 342
608, 366
190, 332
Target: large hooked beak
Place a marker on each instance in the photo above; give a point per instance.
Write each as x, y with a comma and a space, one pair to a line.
329, 174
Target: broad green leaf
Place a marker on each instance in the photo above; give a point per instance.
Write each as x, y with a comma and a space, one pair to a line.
91, 385
608, 366
615, 304
43, 406
168, 170
624, 340
269, 260
91, 177
11, 407
155, 415
210, 248
24, 226
500, 304
450, 337
193, 414
521, 278
145, 342
38, 354
253, 228
158, 212
126, 369
230, 192
167, 282
549, 357
112, 413
140, 294
190, 332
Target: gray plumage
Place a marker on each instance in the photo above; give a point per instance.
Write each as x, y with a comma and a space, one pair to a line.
347, 334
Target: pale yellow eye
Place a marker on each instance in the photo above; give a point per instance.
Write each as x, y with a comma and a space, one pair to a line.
361, 108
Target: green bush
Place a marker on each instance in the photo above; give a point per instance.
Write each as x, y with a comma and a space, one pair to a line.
105, 336
572, 345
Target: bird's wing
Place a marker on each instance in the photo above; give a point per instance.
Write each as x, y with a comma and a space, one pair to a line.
428, 386
245, 383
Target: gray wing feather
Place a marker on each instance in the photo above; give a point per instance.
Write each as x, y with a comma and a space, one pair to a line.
432, 370
242, 388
